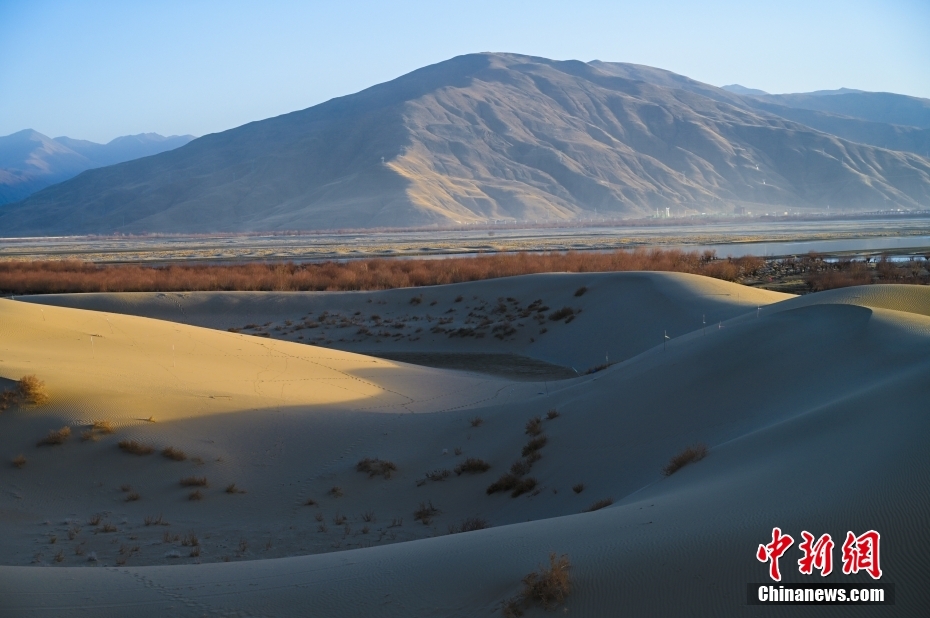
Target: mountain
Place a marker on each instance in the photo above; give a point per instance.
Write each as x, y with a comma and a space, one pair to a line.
737, 89
486, 136
30, 161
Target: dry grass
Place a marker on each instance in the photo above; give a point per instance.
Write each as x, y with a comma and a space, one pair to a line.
425, 513
55, 437
135, 447
580, 291
472, 465
477, 421
69, 276
310, 502
548, 586
108, 527
523, 486
103, 427
29, 390
335, 491
534, 445
19, 461
552, 414
232, 489
194, 481
561, 314
534, 426
155, 520
578, 488
133, 496
599, 505
682, 459
195, 495
190, 540
174, 454
469, 524
376, 467
505, 483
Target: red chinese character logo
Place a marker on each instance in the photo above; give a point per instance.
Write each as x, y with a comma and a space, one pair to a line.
861, 553
817, 555
773, 551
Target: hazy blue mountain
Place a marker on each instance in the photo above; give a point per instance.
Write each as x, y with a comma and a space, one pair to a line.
30, 161
487, 136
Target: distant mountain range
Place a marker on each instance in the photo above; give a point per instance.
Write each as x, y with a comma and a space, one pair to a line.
30, 161
510, 137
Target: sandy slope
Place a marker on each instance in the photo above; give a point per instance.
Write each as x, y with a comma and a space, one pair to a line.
815, 413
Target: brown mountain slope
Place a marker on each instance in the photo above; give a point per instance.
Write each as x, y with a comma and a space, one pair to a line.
482, 136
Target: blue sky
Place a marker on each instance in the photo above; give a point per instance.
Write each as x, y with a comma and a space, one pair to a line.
97, 70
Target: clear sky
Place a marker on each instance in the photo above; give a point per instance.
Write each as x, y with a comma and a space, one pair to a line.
99, 69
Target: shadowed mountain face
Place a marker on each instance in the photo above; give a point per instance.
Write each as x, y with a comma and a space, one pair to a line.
30, 161
485, 136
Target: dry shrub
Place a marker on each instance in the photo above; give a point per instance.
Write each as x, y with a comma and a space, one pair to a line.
174, 454
599, 505
232, 489
505, 483
578, 488
376, 467
472, 465
155, 520
425, 513
19, 461
476, 422
520, 467
55, 437
190, 540
564, 312
310, 502
438, 475
195, 495
469, 524
534, 426
135, 447
549, 587
108, 527
103, 427
133, 496
194, 481
68, 276
523, 486
29, 390
580, 291
682, 459
534, 445
552, 414
335, 491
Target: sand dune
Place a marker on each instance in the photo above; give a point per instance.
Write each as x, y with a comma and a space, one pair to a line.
814, 410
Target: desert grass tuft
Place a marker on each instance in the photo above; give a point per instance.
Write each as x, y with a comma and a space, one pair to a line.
173, 454
133, 496
534, 426
472, 465
232, 489
425, 512
135, 447
55, 437
29, 390
19, 461
195, 495
335, 491
524, 485
605, 502
580, 291
103, 427
194, 481
155, 520
476, 421
505, 483
310, 502
578, 488
376, 467
548, 586
552, 413
534, 445
682, 459
469, 524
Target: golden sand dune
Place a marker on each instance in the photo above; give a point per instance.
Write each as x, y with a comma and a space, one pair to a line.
814, 415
